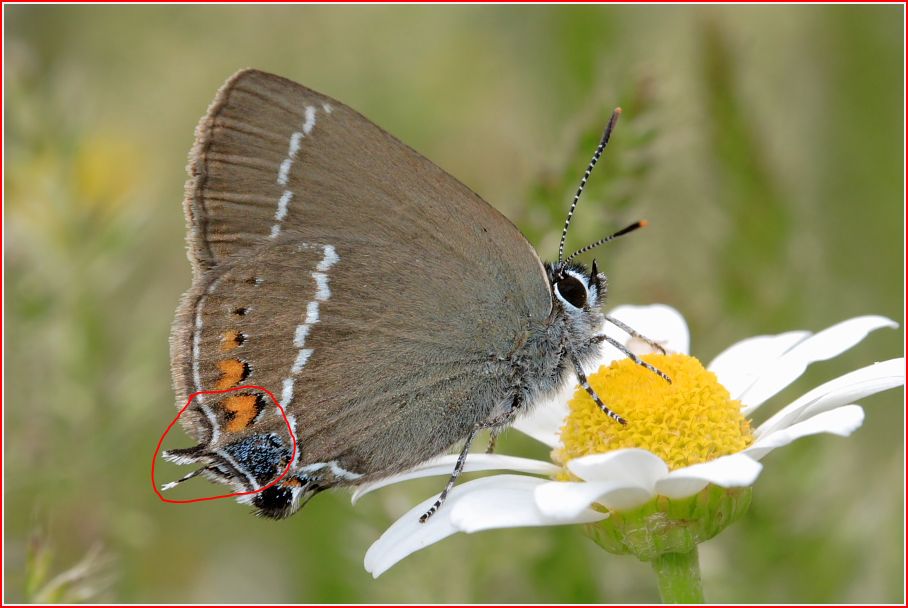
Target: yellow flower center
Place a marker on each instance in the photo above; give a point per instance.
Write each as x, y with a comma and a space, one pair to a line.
689, 421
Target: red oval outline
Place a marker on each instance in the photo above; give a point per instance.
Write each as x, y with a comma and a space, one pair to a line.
154, 485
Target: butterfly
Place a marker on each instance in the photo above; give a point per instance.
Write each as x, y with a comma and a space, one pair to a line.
391, 310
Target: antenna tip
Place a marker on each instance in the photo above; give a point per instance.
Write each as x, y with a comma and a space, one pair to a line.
643, 223
617, 110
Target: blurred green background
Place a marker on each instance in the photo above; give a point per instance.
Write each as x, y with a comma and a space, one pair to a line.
764, 144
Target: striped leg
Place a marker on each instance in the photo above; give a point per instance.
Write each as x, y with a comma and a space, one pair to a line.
495, 424
458, 468
493, 438
186, 477
634, 333
632, 356
589, 389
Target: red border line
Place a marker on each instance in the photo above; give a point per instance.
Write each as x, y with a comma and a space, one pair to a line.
157, 450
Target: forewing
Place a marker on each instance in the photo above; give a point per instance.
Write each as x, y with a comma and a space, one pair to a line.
271, 155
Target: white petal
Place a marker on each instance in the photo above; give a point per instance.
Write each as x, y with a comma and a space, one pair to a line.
824, 345
499, 501
658, 322
841, 421
407, 535
845, 389
443, 465
634, 466
507, 501
732, 471
742, 363
567, 499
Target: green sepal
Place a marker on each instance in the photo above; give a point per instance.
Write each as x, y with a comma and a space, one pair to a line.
670, 525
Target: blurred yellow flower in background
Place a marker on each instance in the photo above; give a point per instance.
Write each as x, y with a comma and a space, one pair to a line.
104, 172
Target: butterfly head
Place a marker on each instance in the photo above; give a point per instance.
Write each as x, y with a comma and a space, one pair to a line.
578, 294
575, 287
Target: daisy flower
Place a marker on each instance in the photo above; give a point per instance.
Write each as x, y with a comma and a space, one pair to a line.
678, 474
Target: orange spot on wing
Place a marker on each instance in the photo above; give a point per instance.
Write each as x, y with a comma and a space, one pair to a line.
230, 340
241, 411
233, 371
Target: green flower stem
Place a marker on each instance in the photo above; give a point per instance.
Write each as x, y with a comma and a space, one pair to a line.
666, 531
679, 577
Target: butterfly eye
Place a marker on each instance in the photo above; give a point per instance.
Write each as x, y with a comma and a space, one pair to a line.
572, 291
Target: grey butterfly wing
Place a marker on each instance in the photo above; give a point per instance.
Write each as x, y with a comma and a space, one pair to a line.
419, 288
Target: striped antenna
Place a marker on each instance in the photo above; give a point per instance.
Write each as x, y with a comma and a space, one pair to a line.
611, 237
602, 143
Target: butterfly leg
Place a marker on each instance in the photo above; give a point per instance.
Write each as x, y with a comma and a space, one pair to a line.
634, 333
499, 423
493, 438
187, 477
496, 424
458, 468
589, 389
631, 356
